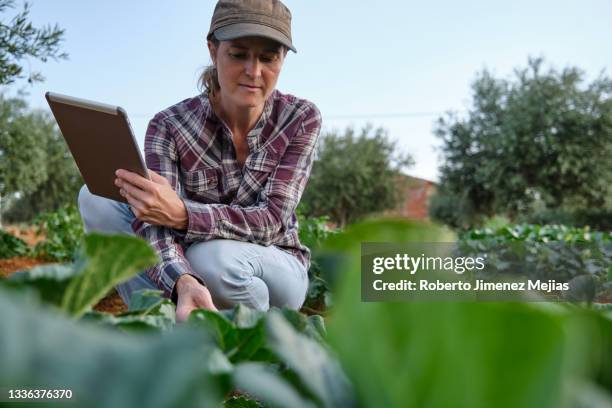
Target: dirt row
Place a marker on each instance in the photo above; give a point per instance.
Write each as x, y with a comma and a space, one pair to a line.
28, 234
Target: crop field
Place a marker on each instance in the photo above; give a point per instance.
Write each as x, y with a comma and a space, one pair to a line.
336, 352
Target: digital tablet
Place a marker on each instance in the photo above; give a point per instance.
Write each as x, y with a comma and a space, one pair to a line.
100, 139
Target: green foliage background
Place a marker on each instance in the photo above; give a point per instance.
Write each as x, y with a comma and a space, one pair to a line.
38, 171
541, 140
354, 175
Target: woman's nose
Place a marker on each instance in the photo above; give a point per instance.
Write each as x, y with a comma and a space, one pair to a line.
253, 67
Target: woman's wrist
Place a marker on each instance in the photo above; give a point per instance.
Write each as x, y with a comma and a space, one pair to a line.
181, 219
184, 281
182, 285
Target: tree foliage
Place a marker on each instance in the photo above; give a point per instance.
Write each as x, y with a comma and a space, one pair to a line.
37, 172
542, 139
19, 40
34, 170
354, 175
20, 152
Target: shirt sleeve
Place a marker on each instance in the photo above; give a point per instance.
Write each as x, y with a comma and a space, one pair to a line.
161, 156
267, 220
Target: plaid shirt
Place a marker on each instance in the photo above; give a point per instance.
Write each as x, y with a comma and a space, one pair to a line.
192, 148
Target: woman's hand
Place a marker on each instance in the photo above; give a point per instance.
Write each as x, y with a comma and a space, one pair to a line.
191, 295
153, 201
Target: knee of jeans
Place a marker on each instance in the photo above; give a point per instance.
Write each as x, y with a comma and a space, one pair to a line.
217, 265
101, 214
90, 209
82, 194
84, 203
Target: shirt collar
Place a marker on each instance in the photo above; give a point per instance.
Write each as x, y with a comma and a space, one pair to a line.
265, 115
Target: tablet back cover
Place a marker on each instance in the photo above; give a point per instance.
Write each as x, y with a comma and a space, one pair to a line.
101, 141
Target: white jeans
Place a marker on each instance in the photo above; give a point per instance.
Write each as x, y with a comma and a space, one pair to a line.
234, 271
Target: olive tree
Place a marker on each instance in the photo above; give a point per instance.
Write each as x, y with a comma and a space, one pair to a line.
354, 175
541, 139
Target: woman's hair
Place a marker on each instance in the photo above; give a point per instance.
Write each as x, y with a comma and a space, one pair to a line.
209, 79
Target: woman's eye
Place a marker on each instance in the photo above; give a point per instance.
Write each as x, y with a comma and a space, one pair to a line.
268, 58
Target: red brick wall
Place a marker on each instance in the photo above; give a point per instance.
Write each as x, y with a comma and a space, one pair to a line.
415, 193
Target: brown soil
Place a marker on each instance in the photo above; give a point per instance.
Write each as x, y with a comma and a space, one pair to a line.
112, 303
8, 266
27, 233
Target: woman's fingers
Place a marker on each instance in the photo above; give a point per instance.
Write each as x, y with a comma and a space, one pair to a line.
135, 192
157, 178
205, 300
134, 179
191, 300
183, 310
209, 305
138, 206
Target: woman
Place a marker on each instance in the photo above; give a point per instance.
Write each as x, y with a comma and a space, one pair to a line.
227, 168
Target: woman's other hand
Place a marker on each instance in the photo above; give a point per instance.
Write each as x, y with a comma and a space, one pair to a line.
191, 295
153, 201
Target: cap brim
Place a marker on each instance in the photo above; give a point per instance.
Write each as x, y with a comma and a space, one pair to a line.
233, 31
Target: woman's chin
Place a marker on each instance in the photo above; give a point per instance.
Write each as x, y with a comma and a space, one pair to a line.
252, 102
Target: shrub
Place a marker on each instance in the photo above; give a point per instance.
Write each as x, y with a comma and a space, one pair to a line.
11, 246
567, 254
63, 230
313, 232
597, 218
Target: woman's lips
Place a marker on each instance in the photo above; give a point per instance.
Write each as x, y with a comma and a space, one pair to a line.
250, 88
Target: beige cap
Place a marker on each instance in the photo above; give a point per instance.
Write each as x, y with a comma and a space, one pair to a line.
244, 18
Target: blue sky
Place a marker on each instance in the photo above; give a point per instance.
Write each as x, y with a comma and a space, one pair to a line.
395, 64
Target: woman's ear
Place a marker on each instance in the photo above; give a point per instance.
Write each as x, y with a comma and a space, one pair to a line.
212, 50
